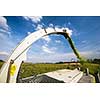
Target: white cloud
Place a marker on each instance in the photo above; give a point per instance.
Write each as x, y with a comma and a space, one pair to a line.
46, 49
46, 38
34, 19
57, 57
4, 33
51, 25
39, 26
88, 54
57, 41
28, 33
5, 38
3, 53
84, 41
4, 28
3, 23
52, 58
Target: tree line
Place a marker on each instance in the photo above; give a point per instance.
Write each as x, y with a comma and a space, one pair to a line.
97, 61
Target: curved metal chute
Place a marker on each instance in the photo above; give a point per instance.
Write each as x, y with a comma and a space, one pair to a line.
19, 53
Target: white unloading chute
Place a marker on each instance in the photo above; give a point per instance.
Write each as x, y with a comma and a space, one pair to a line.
9, 70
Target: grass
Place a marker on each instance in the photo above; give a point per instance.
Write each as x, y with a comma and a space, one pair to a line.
29, 69
93, 68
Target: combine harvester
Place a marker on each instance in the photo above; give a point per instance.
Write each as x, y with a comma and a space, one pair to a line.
9, 71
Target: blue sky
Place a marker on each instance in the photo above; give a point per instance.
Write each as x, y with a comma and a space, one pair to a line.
53, 48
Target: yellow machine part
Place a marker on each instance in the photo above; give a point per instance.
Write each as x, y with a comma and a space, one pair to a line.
13, 69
